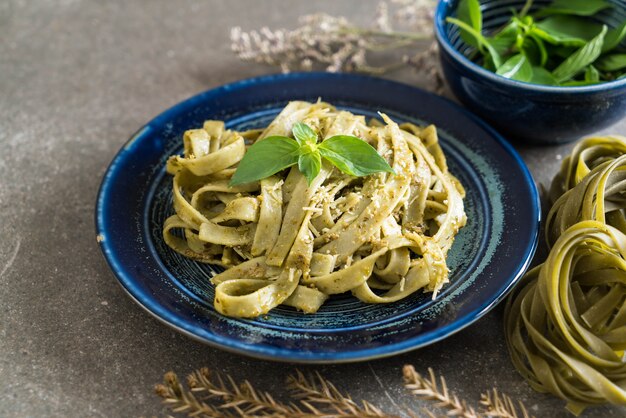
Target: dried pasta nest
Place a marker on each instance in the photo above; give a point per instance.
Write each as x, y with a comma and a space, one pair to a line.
566, 323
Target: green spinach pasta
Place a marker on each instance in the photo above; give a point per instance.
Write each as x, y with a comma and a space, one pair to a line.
600, 195
566, 326
586, 155
566, 323
284, 241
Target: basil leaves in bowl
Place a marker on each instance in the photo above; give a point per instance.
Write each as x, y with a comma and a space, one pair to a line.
540, 71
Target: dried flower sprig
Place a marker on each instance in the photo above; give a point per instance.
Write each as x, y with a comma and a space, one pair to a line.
335, 44
322, 41
213, 395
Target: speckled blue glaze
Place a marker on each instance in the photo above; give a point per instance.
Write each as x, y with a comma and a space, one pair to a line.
523, 111
488, 257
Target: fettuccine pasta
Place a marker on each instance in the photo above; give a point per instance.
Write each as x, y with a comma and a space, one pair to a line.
566, 326
566, 323
283, 241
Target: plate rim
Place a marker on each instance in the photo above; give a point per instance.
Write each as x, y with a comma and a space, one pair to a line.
291, 355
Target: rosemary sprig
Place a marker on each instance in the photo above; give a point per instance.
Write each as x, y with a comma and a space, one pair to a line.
213, 395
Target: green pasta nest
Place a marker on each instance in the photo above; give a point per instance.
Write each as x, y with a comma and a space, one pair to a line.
566, 322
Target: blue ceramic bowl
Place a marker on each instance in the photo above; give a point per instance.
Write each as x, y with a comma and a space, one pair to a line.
523, 111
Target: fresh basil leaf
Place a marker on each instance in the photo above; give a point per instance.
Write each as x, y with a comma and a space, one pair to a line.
612, 62
495, 56
560, 51
310, 164
592, 74
504, 40
266, 157
566, 30
304, 134
535, 50
543, 52
576, 62
574, 7
614, 37
543, 76
469, 12
516, 68
353, 156
488, 64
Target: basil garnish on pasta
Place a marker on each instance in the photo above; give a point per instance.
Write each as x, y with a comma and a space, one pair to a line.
349, 154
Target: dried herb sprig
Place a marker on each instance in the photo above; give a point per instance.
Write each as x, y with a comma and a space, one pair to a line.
318, 393
429, 389
213, 395
494, 404
180, 400
336, 44
501, 405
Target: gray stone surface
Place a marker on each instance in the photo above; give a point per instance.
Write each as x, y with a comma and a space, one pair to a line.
77, 78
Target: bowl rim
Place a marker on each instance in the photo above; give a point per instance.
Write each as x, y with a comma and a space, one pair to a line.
444, 42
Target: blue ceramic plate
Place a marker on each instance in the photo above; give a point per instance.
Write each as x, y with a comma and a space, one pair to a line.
488, 257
